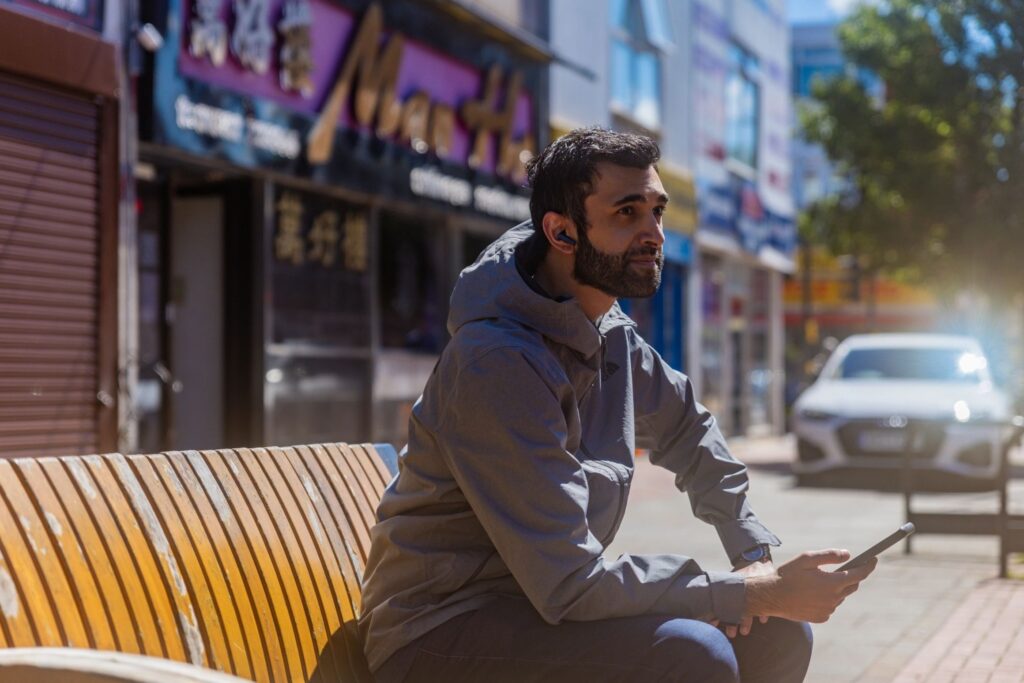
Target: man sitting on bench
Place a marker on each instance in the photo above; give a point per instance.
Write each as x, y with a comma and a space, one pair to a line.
487, 559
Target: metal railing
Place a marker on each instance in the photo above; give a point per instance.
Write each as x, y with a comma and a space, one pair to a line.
1009, 528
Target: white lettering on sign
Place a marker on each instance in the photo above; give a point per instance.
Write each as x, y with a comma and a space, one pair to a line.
427, 182
275, 139
207, 120
497, 202
233, 127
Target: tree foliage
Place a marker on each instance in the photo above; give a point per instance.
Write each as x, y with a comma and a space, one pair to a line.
936, 165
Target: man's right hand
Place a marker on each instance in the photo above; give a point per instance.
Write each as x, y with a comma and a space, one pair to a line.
800, 590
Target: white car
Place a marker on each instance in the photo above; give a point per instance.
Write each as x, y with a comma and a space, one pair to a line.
857, 413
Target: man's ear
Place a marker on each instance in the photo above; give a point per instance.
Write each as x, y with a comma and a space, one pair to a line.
555, 224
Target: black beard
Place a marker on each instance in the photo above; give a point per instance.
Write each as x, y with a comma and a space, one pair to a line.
611, 274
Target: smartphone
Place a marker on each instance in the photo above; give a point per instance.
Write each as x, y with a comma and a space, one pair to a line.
890, 540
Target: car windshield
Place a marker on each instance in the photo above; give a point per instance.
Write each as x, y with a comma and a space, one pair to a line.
948, 365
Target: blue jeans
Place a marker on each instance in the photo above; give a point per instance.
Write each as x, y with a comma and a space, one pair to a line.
508, 641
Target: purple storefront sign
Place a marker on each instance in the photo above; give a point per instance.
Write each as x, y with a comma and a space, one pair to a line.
422, 69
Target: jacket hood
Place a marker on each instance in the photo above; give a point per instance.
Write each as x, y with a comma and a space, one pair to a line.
492, 288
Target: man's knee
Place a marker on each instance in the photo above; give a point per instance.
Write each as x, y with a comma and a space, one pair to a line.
797, 639
791, 644
695, 651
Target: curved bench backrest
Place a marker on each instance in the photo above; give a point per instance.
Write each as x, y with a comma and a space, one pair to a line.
244, 561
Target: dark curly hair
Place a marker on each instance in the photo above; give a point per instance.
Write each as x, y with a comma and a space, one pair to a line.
562, 176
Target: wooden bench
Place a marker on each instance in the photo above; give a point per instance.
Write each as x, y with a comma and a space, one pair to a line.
244, 561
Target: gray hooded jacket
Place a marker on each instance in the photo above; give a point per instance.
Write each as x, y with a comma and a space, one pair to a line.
518, 466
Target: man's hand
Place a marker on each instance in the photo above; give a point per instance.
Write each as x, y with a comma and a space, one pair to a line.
801, 591
752, 569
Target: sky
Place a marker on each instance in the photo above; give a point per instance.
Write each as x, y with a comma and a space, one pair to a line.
813, 11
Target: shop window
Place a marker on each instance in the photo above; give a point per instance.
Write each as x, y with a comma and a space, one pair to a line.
712, 335
411, 298
320, 272
640, 34
742, 107
317, 381
760, 377
153, 372
312, 399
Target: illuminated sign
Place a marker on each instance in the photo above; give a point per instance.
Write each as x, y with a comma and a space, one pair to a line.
336, 71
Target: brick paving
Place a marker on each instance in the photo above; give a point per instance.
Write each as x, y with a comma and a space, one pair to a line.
936, 615
982, 641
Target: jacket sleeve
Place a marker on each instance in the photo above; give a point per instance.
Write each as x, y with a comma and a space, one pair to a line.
684, 438
504, 435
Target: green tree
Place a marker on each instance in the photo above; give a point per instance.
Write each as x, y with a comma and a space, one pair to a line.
936, 165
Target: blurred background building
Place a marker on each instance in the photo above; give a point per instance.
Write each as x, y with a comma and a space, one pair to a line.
237, 222
710, 81
59, 186
312, 177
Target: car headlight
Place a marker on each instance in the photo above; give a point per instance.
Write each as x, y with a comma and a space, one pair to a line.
812, 415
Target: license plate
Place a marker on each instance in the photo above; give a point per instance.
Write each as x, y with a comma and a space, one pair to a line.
882, 441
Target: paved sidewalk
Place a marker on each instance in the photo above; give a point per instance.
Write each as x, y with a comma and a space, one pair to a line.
981, 642
982, 639
915, 615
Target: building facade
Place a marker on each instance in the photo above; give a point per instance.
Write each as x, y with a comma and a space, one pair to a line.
614, 57
710, 81
741, 99
312, 175
59, 187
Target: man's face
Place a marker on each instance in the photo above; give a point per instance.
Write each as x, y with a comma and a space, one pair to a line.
620, 253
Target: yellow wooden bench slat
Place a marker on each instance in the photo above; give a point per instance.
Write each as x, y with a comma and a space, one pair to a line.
95, 507
135, 534
357, 504
110, 595
323, 553
285, 553
208, 646
80, 575
268, 593
245, 640
244, 561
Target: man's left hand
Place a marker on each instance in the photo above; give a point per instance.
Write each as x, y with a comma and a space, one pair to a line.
752, 569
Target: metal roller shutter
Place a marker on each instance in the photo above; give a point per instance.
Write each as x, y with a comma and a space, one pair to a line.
49, 270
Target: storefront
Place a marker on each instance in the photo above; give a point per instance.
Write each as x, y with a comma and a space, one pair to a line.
58, 229
742, 336
315, 174
747, 230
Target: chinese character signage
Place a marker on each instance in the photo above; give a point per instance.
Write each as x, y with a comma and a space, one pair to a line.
325, 239
82, 12
320, 270
313, 88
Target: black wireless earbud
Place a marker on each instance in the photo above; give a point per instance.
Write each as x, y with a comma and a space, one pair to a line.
562, 237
